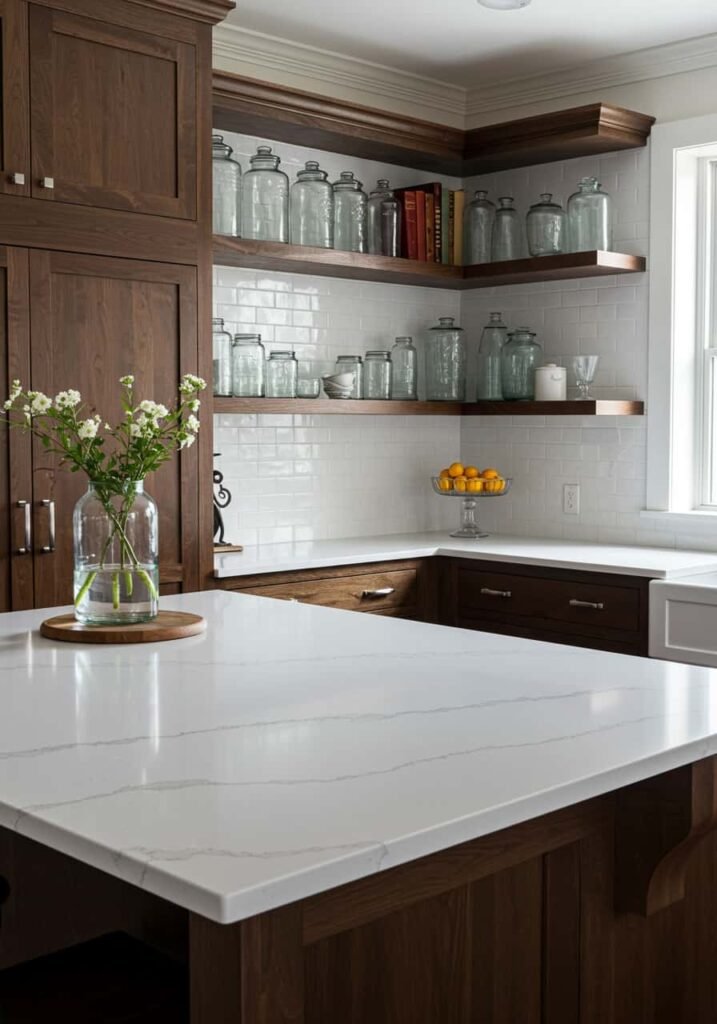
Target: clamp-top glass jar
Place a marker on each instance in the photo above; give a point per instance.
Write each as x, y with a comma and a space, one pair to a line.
221, 358
226, 184
377, 375
248, 366
479, 219
384, 221
546, 227
311, 213
282, 374
446, 362
265, 198
520, 357
589, 217
350, 202
404, 360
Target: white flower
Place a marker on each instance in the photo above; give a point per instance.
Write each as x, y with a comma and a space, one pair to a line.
127, 380
15, 391
67, 399
189, 384
187, 441
194, 405
40, 404
87, 429
192, 424
135, 430
148, 407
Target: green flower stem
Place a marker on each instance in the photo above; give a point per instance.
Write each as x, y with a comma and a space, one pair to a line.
148, 582
128, 582
88, 581
115, 590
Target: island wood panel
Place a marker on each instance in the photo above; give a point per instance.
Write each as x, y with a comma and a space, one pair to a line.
14, 98
141, 157
94, 320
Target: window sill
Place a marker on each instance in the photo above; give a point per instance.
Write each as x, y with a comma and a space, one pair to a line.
697, 519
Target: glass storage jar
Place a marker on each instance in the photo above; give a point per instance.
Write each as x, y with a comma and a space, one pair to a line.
282, 374
384, 221
507, 235
377, 375
520, 357
354, 365
221, 358
248, 366
116, 560
265, 198
546, 227
446, 362
226, 185
404, 363
350, 204
492, 340
478, 222
311, 208
589, 217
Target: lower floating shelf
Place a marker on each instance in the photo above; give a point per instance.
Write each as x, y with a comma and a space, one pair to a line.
328, 406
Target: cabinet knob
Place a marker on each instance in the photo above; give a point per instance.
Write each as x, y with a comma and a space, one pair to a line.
595, 605
47, 182
27, 517
17, 178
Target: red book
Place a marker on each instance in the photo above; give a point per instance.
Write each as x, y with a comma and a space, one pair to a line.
421, 226
435, 190
409, 240
430, 227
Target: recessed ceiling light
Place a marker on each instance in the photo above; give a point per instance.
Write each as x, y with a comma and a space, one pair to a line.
504, 5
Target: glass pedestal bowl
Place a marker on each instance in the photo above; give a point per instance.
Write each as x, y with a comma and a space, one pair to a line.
469, 528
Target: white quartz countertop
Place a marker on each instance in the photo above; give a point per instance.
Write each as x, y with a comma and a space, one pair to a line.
656, 563
293, 748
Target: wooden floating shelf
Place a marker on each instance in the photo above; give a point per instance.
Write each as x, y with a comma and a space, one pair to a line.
329, 406
304, 259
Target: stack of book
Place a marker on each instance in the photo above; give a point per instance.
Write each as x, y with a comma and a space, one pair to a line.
432, 223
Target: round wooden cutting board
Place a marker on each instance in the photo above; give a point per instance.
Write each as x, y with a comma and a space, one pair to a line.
167, 626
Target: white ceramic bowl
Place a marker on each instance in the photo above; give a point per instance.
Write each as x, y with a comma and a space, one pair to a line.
342, 380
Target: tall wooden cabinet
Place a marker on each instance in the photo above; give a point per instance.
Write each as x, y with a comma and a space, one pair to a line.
105, 256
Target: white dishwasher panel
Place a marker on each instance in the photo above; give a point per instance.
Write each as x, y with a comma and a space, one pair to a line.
683, 620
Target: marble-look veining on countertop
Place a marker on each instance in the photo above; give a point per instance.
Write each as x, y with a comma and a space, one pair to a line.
293, 748
655, 563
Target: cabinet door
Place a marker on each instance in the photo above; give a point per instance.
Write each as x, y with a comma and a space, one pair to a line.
95, 319
113, 115
16, 568
14, 99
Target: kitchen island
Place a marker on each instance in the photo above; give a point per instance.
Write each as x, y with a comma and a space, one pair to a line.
336, 817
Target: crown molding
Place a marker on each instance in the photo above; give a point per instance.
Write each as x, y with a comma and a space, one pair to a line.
594, 76
243, 52
211, 11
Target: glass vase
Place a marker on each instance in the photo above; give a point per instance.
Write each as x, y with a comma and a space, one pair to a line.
589, 217
116, 556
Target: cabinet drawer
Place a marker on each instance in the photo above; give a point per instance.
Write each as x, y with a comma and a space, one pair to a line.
567, 602
368, 592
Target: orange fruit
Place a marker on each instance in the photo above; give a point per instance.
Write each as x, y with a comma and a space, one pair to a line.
459, 484
472, 472
490, 474
456, 469
444, 473
474, 486
445, 483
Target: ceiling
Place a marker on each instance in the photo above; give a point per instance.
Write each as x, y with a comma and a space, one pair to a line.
460, 42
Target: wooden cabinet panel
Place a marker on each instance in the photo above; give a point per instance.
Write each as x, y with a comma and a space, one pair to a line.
113, 115
369, 592
95, 319
14, 99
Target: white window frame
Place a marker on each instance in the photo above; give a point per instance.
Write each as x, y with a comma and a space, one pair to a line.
682, 311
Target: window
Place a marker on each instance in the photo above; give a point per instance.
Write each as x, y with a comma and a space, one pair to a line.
682, 389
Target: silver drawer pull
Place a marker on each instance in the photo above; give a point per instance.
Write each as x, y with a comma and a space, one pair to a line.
381, 592
17, 178
47, 183
489, 592
27, 513
597, 605
49, 504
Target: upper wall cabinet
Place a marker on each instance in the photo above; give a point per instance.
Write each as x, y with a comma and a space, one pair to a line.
14, 99
113, 114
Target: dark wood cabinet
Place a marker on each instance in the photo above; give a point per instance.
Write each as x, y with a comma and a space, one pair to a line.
14, 99
94, 319
113, 114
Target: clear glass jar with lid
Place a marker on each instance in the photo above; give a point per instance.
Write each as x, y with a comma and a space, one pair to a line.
478, 221
589, 217
265, 198
446, 362
354, 365
226, 184
311, 208
282, 374
221, 358
384, 221
404, 362
248, 366
350, 203
507, 241
377, 375
546, 227
520, 358
492, 340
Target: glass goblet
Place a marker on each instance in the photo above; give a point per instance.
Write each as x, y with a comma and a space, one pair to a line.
585, 368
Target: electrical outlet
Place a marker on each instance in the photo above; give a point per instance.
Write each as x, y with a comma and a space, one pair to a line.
571, 499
